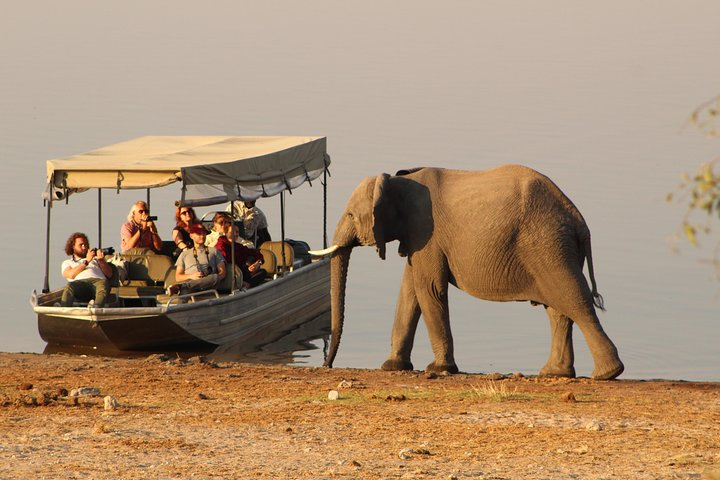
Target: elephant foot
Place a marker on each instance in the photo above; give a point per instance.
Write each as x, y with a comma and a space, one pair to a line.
564, 372
396, 365
434, 367
609, 372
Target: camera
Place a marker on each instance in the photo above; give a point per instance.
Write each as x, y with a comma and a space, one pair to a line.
151, 218
105, 251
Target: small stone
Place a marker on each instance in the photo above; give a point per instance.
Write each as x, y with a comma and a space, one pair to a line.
100, 427
25, 386
111, 402
431, 375
199, 359
62, 392
355, 463
333, 395
595, 426
407, 453
518, 375
568, 397
85, 392
201, 396
395, 398
158, 357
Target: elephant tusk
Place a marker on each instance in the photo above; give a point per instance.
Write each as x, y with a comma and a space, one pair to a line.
322, 253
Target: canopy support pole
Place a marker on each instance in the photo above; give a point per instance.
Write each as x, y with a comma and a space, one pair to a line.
324, 184
46, 283
147, 202
233, 285
282, 228
99, 218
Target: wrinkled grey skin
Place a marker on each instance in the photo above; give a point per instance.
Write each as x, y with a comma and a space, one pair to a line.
505, 234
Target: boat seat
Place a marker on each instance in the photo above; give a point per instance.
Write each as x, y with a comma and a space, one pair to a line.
277, 247
147, 275
269, 262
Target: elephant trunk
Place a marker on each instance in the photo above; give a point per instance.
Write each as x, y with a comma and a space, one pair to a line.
338, 280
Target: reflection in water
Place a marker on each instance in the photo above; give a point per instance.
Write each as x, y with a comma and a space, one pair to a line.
278, 346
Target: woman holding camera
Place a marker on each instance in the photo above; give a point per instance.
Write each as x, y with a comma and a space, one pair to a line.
140, 230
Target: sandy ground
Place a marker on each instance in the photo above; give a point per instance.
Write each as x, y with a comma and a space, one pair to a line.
158, 417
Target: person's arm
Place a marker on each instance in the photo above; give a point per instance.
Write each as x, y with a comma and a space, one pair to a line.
156, 240
128, 240
181, 276
178, 238
71, 272
221, 270
104, 266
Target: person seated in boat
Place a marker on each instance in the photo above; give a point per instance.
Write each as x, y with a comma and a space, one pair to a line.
139, 233
184, 217
255, 224
86, 271
199, 267
248, 259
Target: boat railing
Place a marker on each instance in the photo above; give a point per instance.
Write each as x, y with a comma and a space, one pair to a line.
191, 297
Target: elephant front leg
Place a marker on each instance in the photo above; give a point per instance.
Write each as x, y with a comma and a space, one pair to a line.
407, 315
562, 357
432, 294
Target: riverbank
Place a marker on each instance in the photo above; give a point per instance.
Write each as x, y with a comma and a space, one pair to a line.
161, 417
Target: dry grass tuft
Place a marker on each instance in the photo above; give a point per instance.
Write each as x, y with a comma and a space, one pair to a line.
496, 391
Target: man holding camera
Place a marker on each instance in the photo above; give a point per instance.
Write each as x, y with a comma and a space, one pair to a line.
198, 268
140, 230
87, 272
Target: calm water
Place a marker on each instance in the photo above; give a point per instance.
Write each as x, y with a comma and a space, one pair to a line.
593, 95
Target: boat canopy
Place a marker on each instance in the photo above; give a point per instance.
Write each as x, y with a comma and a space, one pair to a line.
212, 169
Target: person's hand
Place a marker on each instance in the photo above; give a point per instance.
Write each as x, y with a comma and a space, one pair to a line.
197, 275
91, 255
255, 266
99, 254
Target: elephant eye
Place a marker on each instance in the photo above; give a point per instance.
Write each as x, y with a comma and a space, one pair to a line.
350, 214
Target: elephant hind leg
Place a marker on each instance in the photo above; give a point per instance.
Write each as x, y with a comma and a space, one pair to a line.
570, 299
605, 355
562, 356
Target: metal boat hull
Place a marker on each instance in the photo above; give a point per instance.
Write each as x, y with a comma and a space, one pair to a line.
288, 301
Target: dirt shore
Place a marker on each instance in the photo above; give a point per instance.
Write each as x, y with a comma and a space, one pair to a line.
159, 417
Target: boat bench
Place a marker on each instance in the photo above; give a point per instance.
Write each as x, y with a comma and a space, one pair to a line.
148, 276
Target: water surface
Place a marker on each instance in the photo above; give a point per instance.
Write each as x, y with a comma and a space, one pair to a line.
593, 95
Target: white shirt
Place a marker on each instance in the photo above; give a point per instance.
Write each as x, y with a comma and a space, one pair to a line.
93, 270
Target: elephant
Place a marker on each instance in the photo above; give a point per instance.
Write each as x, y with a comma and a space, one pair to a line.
503, 234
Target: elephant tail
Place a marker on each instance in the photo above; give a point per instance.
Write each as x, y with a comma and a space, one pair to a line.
598, 300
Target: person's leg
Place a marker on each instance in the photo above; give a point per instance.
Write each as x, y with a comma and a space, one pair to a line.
257, 278
206, 283
78, 289
100, 291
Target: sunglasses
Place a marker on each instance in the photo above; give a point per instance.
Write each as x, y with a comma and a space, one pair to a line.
186, 212
140, 210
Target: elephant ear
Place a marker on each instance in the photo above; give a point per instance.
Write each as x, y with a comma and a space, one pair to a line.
380, 192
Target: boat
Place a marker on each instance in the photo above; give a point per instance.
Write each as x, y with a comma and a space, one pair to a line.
212, 170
